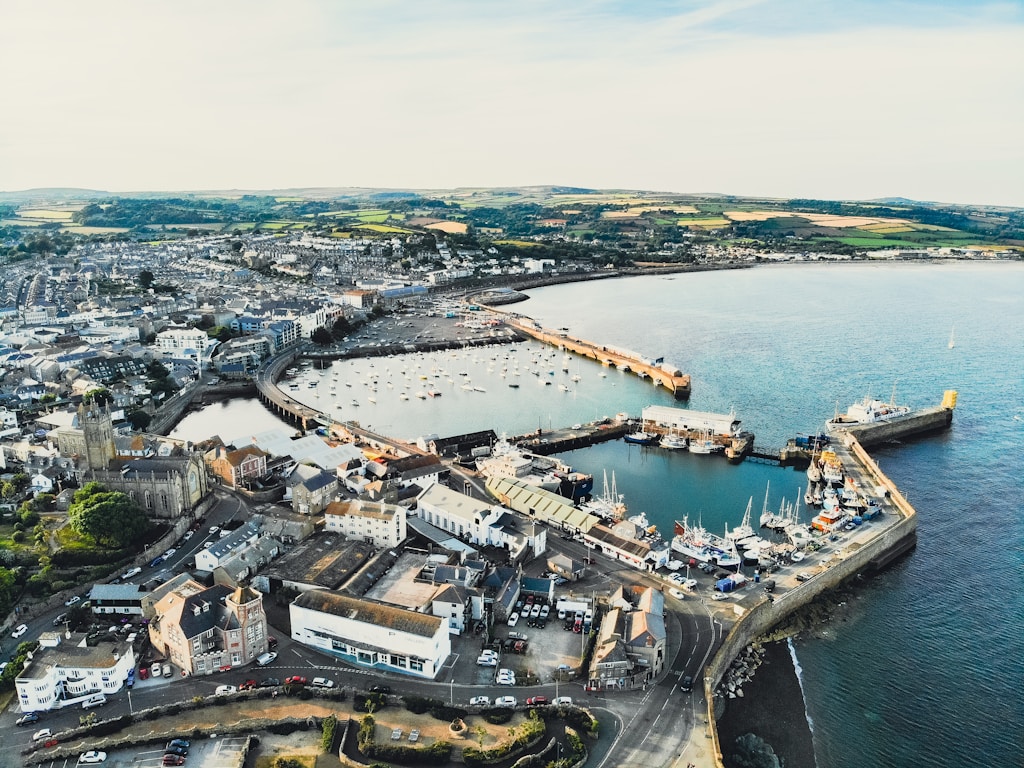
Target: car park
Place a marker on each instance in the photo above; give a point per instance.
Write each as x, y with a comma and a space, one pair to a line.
27, 719
20, 630
480, 701
266, 658
505, 701
321, 682
224, 690
92, 756
72, 600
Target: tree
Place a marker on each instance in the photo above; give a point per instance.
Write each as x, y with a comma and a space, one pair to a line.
145, 279
341, 328
100, 396
139, 419
111, 518
322, 337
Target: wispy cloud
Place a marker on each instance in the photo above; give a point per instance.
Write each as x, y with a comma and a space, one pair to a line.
856, 99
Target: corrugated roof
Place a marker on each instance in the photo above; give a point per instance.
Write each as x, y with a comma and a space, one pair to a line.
351, 608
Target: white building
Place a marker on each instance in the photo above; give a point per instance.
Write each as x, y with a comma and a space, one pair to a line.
372, 635
65, 671
185, 342
223, 549
683, 420
382, 524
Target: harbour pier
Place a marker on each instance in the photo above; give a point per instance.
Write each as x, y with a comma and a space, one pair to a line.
674, 380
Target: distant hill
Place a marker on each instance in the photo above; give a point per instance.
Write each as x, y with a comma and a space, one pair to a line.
52, 194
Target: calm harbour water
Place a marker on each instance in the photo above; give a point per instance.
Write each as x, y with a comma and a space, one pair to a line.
924, 668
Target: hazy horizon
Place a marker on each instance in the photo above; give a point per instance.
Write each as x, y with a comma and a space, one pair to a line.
846, 101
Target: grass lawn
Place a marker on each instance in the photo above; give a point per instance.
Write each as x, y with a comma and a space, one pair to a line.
383, 228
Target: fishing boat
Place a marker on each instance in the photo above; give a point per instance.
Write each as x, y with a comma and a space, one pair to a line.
705, 444
508, 460
433, 393
641, 438
696, 543
609, 504
673, 442
952, 341
513, 386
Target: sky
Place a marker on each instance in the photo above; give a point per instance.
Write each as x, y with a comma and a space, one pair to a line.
834, 99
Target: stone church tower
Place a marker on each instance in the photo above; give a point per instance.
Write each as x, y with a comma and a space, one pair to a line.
98, 431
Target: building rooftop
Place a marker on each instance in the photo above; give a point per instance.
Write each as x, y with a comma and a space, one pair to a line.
388, 616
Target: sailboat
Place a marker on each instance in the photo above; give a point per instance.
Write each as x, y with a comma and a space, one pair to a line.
952, 341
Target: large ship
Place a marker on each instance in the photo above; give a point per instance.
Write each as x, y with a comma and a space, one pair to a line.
696, 543
867, 411
508, 460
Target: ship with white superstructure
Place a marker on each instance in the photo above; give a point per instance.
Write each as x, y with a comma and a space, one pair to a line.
693, 541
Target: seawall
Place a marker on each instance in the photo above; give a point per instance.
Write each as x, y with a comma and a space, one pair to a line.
918, 423
898, 538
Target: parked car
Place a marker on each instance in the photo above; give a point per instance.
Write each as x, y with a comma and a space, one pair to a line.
321, 682
60, 619
381, 689
170, 553
27, 719
544, 611
247, 685
537, 701
167, 671
43, 733
224, 690
487, 661
719, 596
296, 680
266, 658
271, 641
130, 573
677, 594
155, 670
20, 630
143, 673
480, 701
505, 701
513, 619
174, 760
92, 756
214, 529
178, 743
563, 701
179, 751
269, 682
96, 700
156, 561
72, 600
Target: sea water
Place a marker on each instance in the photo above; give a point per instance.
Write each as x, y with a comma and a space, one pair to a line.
924, 668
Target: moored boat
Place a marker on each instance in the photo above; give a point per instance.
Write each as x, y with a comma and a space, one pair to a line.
704, 547
641, 438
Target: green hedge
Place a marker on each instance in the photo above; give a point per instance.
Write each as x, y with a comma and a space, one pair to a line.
446, 714
522, 737
498, 715
420, 704
329, 726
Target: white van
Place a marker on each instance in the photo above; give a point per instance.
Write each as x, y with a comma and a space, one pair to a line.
96, 700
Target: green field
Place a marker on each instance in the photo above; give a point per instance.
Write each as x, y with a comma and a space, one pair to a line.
383, 228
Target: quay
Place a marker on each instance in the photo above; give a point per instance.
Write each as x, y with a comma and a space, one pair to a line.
917, 423
572, 438
674, 380
868, 548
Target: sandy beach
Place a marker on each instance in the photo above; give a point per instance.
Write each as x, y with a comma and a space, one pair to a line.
771, 708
